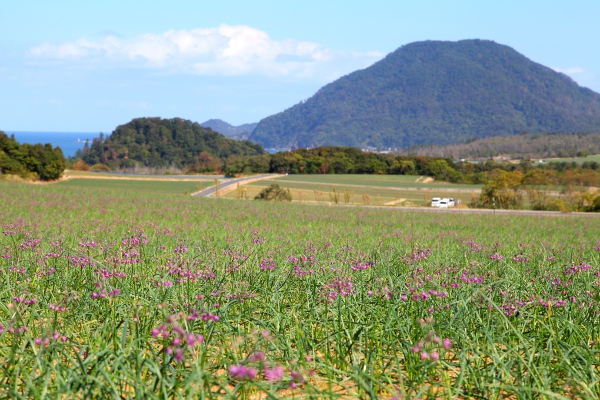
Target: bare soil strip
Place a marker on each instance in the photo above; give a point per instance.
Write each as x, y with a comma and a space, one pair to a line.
393, 203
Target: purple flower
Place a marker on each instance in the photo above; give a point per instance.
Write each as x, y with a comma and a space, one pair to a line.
179, 355
242, 372
274, 374
447, 344
257, 357
297, 376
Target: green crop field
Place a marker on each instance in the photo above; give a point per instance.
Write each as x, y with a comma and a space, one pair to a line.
389, 181
119, 293
578, 160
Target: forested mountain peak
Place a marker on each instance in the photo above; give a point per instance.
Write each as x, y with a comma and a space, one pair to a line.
218, 125
436, 92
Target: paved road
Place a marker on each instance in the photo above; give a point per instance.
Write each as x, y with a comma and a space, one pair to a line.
208, 192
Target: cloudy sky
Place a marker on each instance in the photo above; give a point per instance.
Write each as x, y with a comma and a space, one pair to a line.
88, 66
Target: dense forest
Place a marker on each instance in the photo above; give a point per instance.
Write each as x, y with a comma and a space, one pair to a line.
522, 146
30, 161
436, 92
160, 142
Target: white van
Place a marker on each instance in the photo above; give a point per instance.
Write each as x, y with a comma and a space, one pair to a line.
444, 203
435, 202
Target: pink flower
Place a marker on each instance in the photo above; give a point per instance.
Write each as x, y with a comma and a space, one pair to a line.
179, 355
274, 374
424, 356
435, 356
242, 372
256, 357
447, 344
297, 376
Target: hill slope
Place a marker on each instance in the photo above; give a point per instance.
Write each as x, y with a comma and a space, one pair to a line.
162, 142
521, 146
436, 92
240, 132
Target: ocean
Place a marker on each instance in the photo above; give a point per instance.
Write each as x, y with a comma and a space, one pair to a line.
69, 142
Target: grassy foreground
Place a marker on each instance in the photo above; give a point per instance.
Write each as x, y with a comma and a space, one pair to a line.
115, 293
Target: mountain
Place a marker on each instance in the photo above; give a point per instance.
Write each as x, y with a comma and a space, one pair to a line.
436, 92
241, 132
160, 142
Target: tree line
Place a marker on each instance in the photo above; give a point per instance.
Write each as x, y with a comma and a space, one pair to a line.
350, 160
552, 188
30, 161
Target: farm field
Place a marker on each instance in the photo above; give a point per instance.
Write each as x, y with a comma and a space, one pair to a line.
392, 181
110, 175
119, 293
360, 189
578, 160
172, 184
146, 185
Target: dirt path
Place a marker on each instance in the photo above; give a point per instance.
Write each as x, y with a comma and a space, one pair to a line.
393, 203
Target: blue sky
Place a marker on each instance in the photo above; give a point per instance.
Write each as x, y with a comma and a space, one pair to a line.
88, 66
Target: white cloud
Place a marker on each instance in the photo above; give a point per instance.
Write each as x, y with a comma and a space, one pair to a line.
570, 71
580, 75
224, 50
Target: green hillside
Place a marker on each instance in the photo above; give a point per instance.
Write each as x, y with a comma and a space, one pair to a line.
522, 146
436, 92
160, 142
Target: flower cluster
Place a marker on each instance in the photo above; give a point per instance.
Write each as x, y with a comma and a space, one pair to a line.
432, 345
175, 336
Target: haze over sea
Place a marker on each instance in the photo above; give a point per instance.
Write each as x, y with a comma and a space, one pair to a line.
69, 142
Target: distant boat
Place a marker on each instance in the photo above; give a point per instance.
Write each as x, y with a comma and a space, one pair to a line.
84, 141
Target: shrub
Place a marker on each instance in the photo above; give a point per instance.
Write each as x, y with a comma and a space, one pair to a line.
100, 167
274, 192
80, 165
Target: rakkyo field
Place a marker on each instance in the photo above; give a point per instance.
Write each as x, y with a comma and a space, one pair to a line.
121, 293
